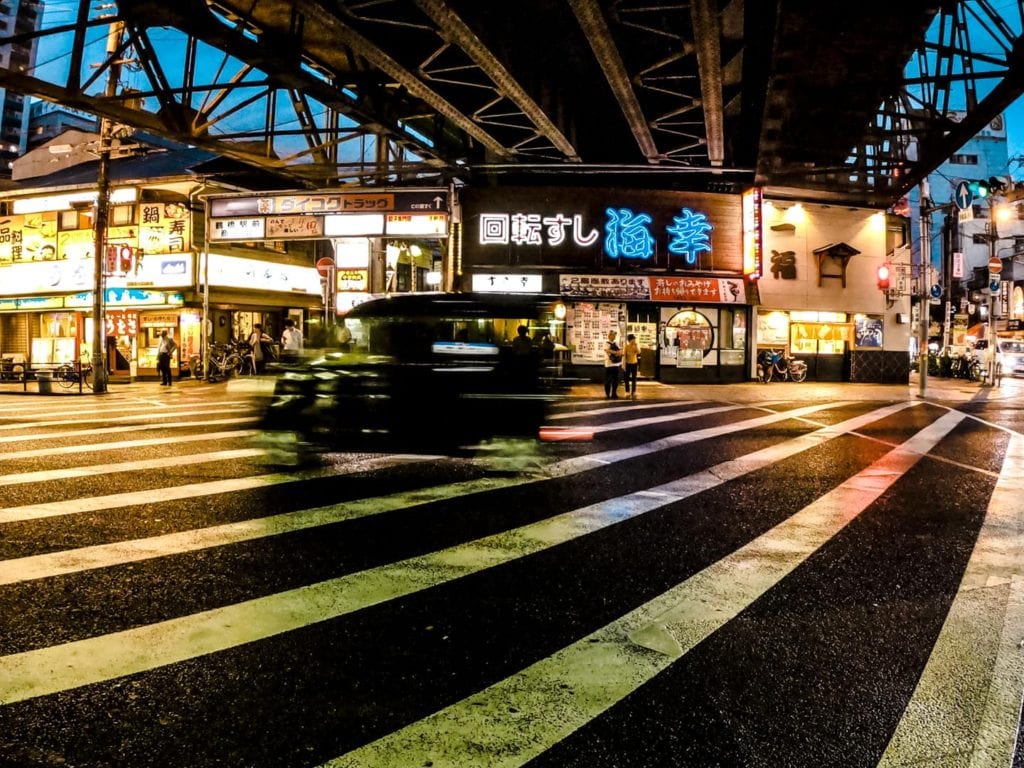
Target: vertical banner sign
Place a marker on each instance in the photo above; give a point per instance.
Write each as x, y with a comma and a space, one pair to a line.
958, 265
752, 243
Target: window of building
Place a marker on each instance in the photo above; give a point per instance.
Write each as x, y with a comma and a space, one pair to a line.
963, 159
122, 215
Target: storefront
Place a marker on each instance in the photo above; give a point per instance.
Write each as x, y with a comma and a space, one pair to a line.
690, 330
665, 266
819, 297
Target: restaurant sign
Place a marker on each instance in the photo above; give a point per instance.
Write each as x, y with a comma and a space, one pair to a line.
690, 290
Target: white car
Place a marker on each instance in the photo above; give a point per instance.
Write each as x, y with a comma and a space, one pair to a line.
1011, 357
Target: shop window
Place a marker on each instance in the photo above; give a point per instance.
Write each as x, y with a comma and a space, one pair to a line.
74, 220
686, 338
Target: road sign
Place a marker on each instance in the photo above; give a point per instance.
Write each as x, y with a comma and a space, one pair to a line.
324, 266
963, 197
995, 265
993, 286
936, 291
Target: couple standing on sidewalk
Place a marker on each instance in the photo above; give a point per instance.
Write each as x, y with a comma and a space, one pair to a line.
626, 358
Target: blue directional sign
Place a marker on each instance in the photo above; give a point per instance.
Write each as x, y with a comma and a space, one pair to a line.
963, 197
993, 286
936, 291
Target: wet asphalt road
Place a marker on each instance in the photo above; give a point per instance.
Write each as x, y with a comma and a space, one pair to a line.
779, 575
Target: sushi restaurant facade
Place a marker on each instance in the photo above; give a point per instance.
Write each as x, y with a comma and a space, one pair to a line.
665, 266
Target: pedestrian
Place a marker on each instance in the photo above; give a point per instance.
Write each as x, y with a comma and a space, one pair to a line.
344, 337
631, 364
521, 344
291, 342
164, 352
612, 364
547, 346
261, 349
524, 360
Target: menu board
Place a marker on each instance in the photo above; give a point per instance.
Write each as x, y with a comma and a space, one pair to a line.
588, 328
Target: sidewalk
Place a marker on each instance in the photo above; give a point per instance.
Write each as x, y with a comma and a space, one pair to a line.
947, 391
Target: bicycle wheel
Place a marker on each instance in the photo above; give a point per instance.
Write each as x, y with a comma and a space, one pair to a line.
195, 366
87, 376
798, 374
232, 365
65, 374
769, 372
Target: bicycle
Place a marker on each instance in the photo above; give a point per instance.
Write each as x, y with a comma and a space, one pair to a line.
773, 363
225, 362
70, 374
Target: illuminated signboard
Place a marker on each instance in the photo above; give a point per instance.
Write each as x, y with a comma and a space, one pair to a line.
348, 225
284, 227
416, 224
237, 272
354, 201
753, 263
509, 283
704, 290
249, 228
353, 279
583, 228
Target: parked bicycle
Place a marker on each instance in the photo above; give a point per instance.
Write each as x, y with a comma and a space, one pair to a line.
775, 364
225, 362
70, 374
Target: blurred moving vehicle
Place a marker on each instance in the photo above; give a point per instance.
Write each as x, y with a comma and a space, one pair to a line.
426, 372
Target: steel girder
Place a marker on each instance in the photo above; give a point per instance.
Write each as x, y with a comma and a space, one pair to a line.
389, 91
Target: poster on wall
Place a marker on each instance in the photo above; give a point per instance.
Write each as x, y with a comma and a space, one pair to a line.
868, 332
588, 328
646, 334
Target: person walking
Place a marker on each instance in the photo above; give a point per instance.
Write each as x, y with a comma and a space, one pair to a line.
631, 363
612, 363
164, 352
291, 342
260, 343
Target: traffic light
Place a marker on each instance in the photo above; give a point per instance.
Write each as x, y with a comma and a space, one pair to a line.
982, 188
883, 277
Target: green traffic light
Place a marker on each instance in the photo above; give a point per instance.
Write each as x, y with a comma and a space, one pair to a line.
978, 188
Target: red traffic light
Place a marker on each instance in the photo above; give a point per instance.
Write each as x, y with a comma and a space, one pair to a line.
883, 277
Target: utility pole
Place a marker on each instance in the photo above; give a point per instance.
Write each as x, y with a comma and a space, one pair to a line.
923, 302
99, 330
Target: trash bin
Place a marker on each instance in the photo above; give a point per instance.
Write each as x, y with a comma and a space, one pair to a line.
45, 379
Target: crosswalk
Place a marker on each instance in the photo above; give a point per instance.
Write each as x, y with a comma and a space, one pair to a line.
703, 583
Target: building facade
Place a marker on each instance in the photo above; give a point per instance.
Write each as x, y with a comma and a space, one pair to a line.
16, 17
158, 272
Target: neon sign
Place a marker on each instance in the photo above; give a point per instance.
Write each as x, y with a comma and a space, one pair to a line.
531, 229
627, 233
689, 233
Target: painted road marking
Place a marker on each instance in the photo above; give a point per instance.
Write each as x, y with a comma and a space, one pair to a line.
114, 419
68, 473
122, 444
125, 428
104, 555
561, 693
978, 651
56, 668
